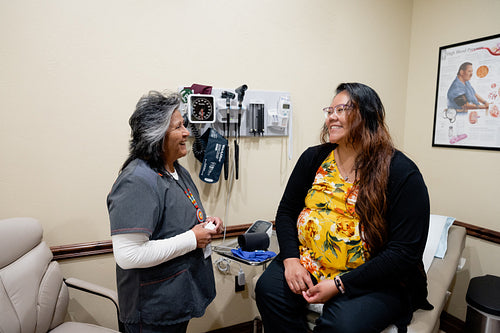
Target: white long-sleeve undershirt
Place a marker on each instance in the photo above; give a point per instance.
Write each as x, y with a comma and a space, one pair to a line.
135, 250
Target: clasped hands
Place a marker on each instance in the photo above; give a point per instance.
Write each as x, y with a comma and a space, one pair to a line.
204, 235
300, 282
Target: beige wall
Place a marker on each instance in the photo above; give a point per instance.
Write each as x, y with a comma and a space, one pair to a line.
72, 71
462, 182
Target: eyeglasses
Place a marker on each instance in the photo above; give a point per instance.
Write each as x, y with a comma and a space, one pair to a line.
338, 110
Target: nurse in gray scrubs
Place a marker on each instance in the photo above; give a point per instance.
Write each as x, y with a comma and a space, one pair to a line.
160, 232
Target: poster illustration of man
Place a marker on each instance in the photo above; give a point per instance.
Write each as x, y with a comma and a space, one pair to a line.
468, 95
461, 95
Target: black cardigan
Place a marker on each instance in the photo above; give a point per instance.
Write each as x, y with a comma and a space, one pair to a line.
399, 263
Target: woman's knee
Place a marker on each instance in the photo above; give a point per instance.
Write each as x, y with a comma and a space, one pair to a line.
332, 323
344, 325
261, 286
269, 281
369, 313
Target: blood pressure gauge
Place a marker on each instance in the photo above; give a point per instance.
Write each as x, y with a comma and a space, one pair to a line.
201, 108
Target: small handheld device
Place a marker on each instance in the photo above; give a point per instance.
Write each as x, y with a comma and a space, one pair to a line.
201, 108
210, 226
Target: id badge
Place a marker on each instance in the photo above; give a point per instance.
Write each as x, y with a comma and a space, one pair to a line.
207, 251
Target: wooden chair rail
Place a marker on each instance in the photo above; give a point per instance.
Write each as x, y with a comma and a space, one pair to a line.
480, 232
72, 251
102, 247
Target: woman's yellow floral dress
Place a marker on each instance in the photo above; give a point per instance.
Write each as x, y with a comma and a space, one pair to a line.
328, 226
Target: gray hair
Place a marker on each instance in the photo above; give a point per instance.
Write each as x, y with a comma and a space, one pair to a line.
149, 124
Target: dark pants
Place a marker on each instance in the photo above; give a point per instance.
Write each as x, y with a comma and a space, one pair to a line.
283, 311
145, 328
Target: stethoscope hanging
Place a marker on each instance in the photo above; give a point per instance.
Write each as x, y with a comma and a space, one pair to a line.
450, 114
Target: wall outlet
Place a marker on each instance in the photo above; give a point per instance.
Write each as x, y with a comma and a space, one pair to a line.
237, 286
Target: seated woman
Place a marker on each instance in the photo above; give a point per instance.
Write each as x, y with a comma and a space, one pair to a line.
352, 226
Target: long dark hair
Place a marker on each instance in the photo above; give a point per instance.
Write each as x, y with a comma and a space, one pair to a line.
369, 133
148, 124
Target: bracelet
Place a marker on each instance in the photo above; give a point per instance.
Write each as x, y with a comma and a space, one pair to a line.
338, 284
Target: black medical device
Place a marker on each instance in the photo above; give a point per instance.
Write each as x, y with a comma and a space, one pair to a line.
255, 118
228, 96
241, 95
260, 226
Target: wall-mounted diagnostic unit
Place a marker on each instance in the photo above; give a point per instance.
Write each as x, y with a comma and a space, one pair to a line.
232, 114
259, 113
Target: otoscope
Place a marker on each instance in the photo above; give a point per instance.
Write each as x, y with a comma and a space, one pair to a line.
228, 96
241, 95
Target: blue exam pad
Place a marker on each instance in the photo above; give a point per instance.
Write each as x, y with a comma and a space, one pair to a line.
258, 255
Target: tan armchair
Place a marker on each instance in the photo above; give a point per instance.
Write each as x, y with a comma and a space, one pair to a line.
33, 294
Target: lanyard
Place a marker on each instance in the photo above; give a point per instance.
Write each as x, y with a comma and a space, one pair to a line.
199, 213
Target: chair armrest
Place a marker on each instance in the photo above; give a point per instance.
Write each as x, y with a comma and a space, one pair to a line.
95, 289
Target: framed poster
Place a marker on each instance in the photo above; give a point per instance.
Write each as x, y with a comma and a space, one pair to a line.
467, 108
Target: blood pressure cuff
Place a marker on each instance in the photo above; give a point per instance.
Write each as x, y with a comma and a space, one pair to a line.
213, 159
200, 89
254, 241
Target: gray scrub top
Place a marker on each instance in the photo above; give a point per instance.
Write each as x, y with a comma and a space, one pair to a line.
142, 200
